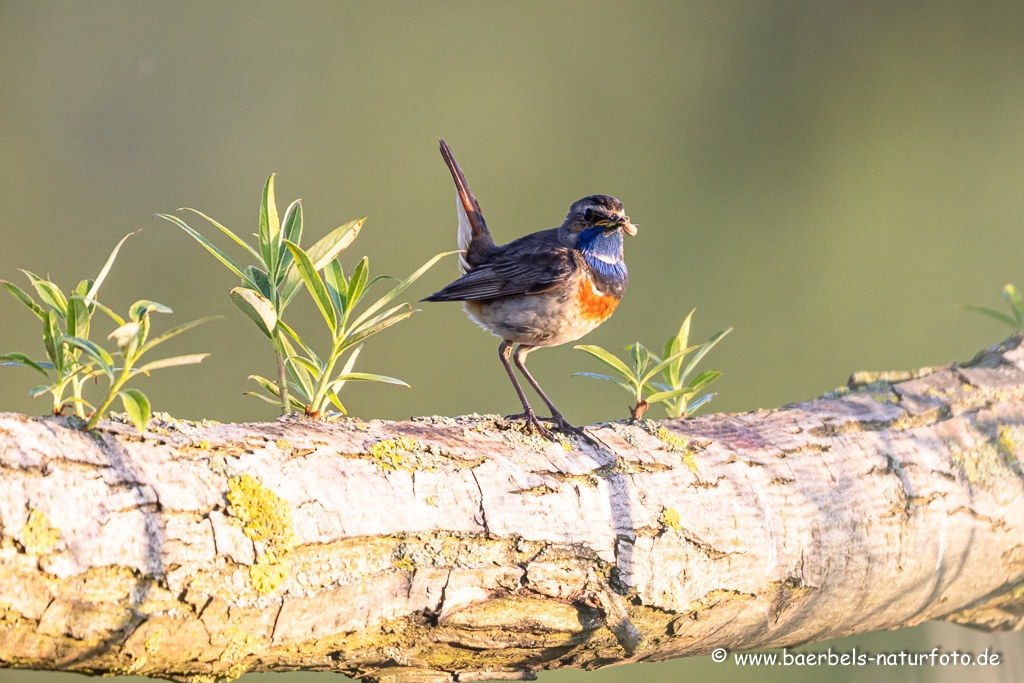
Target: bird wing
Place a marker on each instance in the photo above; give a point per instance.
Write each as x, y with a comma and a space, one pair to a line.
530, 265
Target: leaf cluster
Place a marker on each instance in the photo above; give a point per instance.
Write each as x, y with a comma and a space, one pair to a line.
337, 298
281, 268
676, 393
73, 358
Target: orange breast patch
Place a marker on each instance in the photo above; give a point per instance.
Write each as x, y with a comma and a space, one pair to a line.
594, 305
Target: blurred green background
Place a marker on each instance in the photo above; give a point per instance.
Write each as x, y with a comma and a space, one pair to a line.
834, 180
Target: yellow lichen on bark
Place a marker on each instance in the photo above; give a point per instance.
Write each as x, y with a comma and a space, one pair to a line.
39, 536
267, 519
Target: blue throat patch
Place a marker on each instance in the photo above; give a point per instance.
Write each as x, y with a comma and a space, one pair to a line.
599, 248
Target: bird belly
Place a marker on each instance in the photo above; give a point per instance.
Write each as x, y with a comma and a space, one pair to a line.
547, 319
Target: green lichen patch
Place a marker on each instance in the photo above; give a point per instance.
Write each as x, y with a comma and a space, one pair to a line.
410, 454
627, 435
397, 453
38, 536
1009, 443
864, 378
266, 518
676, 444
240, 645
991, 460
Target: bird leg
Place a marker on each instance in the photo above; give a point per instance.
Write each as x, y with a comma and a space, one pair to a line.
504, 351
519, 357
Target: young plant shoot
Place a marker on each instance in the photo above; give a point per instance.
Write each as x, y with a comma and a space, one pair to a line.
336, 297
65, 366
677, 393
272, 282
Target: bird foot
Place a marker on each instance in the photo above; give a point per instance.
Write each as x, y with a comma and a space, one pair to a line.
525, 416
559, 423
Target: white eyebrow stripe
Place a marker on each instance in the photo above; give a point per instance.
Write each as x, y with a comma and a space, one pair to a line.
610, 260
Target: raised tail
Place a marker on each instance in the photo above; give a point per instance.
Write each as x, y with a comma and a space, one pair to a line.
474, 237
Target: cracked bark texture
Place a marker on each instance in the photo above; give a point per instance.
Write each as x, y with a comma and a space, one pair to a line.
443, 549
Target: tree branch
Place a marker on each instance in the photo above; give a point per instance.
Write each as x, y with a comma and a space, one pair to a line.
443, 549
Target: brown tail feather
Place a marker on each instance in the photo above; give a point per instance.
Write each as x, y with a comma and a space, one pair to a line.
481, 236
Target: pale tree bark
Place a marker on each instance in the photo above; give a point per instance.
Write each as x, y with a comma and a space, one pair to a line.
443, 549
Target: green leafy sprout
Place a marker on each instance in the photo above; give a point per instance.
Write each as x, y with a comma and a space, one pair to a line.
676, 393
132, 339
65, 367
270, 285
337, 298
73, 358
1013, 298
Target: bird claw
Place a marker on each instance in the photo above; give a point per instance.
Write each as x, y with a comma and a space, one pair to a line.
528, 417
559, 423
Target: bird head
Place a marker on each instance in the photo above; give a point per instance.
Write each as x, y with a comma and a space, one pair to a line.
597, 211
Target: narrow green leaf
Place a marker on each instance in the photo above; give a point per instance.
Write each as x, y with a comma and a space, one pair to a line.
366, 377
78, 318
20, 294
274, 401
238, 240
350, 363
337, 287
77, 401
22, 359
640, 358
305, 372
53, 340
336, 241
672, 346
625, 385
321, 253
357, 283
684, 329
95, 287
1011, 294
1001, 317
137, 406
173, 362
257, 307
707, 346
267, 385
369, 331
291, 230
36, 392
609, 360
314, 284
49, 293
698, 403
665, 363
356, 329
210, 247
666, 395
705, 378
291, 333
263, 285
92, 303
144, 307
174, 332
401, 287
97, 353
270, 228
332, 395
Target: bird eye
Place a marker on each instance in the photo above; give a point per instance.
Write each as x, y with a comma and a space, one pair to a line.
588, 215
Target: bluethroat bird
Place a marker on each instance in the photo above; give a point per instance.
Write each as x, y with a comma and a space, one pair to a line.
544, 289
